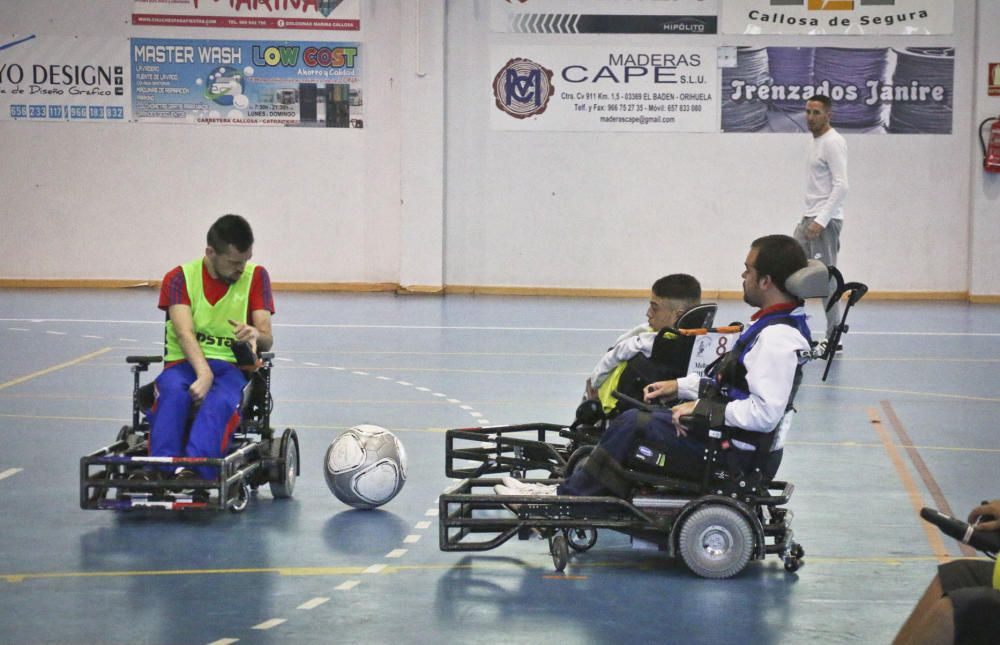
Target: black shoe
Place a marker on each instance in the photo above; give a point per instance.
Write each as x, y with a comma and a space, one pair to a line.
197, 494
143, 476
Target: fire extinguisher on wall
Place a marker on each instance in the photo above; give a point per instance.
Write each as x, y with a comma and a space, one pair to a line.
991, 145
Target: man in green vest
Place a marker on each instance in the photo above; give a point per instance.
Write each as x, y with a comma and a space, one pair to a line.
210, 304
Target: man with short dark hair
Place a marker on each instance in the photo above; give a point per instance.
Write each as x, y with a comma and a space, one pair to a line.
211, 303
826, 189
669, 297
753, 388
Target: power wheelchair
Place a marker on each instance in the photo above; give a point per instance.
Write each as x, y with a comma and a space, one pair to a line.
715, 521
113, 477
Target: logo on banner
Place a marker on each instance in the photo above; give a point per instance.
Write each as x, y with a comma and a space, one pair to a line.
522, 88
326, 7
833, 5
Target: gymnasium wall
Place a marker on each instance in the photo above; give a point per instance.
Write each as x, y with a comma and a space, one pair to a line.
428, 195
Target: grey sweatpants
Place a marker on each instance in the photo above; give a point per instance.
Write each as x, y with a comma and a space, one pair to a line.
824, 248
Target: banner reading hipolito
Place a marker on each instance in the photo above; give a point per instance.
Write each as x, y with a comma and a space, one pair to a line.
604, 88
605, 17
60, 78
833, 17
874, 90
236, 82
342, 15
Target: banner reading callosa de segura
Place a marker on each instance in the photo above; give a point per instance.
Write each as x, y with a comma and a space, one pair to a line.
239, 82
838, 17
604, 88
60, 78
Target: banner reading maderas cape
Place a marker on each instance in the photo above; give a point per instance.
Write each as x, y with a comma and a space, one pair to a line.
604, 88
229, 82
874, 91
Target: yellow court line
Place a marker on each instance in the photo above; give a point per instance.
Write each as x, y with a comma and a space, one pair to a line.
54, 368
522, 565
933, 536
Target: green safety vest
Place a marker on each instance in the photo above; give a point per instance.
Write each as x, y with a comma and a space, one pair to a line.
211, 322
996, 576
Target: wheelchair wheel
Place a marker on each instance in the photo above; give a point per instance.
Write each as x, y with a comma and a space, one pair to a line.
581, 539
716, 541
240, 499
577, 459
286, 451
559, 551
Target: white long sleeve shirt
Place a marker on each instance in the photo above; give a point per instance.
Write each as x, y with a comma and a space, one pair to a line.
826, 186
638, 340
771, 364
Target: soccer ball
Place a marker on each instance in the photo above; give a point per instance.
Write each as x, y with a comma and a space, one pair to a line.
365, 466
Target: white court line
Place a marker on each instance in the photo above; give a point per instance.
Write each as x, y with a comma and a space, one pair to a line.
225, 641
92, 336
359, 373
453, 401
383, 378
423, 389
484, 422
431, 512
311, 364
56, 333
18, 329
347, 585
411, 539
423, 524
10, 472
282, 358
315, 602
473, 327
269, 624
438, 394
396, 553
128, 340
339, 369
404, 383
375, 568
475, 414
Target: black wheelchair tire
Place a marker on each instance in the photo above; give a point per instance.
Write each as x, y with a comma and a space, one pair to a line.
286, 451
577, 459
716, 541
559, 551
581, 539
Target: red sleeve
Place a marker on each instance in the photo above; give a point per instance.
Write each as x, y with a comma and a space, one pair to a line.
260, 291
173, 289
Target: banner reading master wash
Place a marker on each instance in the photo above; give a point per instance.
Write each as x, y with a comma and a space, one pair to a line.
342, 15
604, 88
60, 78
233, 82
833, 17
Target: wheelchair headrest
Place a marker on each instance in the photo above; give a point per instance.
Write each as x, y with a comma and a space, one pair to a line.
697, 317
811, 281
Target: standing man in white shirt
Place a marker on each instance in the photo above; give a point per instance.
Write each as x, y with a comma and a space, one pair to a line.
826, 190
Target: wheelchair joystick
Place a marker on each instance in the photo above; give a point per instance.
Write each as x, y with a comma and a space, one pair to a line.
987, 542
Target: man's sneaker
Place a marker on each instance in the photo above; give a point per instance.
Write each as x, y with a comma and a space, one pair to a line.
197, 494
527, 488
142, 475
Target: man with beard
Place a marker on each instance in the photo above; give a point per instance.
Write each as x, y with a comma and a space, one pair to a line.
211, 304
751, 391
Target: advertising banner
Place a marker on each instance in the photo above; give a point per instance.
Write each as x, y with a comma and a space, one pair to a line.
342, 15
874, 91
230, 82
617, 88
605, 17
59, 78
838, 17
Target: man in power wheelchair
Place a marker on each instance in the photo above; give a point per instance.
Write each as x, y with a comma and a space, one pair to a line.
214, 306
119, 476
696, 480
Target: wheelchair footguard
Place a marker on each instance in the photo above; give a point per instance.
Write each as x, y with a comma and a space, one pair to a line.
716, 536
123, 476
515, 450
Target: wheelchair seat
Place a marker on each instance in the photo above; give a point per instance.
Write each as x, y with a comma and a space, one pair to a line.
698, 317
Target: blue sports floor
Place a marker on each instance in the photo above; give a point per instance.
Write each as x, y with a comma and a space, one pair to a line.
907, 418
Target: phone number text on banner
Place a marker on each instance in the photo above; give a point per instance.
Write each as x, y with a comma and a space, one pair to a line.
342, 15
55, 78
227, 82
604, 89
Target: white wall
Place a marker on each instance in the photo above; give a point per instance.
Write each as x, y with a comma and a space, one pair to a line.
426, 194
618, 210
984, 272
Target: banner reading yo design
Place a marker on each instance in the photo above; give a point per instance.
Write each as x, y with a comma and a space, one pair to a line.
832, 17
59, 78
343, 15
232, 82
874, 91
604, 88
